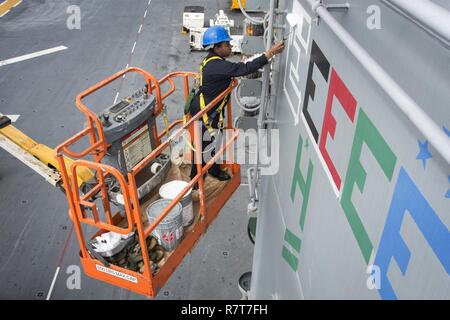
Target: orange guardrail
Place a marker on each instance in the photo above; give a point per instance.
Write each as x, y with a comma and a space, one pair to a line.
80, 206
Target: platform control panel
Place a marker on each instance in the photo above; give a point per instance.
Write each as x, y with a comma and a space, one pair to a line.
129, 127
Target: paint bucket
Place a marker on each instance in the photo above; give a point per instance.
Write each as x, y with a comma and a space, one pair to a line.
170, 230
171, 190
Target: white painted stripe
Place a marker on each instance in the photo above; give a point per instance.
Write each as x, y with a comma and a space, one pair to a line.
117, 96
127, 66
53, 284
140, 29
149, 1
134, 47
13, 117
32, 55
145, 14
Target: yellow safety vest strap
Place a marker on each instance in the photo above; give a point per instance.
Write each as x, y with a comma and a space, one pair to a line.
202, 99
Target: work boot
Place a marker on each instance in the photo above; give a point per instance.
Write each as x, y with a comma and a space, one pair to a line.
193, 174
219, 174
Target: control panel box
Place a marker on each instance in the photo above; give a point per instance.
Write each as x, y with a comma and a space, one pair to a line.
129, 127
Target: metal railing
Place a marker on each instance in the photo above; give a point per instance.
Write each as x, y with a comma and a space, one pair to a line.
429, 16
436, 136
146, 282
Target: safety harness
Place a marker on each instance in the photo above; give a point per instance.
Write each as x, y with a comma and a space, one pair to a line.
202, 99
198, 85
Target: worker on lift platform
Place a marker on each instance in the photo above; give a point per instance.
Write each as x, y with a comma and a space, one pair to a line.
215, 76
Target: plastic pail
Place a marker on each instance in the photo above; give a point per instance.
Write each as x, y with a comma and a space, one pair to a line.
170, 230
172, 189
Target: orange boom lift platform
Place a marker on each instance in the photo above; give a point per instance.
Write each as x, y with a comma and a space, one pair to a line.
84, 211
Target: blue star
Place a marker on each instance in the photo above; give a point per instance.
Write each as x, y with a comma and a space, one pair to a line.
424, 154
446, 131
447, 195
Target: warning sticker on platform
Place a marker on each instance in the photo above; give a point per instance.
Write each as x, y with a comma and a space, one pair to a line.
136, 146
117, 274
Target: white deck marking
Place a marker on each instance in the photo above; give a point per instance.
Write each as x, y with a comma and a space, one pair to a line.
134, 47
13, 117
32, 55
53, 284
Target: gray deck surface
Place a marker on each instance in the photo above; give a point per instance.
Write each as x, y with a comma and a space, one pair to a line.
34, 224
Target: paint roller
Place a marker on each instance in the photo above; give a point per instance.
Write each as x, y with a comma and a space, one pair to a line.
293, 21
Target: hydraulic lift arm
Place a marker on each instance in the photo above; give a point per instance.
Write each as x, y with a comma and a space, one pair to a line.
37, 156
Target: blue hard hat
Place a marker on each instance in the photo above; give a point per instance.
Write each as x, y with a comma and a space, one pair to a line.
215, 34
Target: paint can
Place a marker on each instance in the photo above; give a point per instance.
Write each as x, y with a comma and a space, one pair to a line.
171, 190
244, 284
170, 230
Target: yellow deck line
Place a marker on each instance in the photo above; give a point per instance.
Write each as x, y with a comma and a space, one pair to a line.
6, 5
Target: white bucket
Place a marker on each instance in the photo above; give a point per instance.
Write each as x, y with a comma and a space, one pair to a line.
171, 190
170, 230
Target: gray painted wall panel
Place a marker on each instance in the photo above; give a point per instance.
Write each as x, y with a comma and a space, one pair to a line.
405, 193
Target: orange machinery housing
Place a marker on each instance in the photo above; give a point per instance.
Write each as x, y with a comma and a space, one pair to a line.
235, 4
83, 210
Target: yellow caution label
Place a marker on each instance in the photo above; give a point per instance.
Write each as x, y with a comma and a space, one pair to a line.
235, 4
5, 6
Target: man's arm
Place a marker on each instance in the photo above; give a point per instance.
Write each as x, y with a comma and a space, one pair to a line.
230, 69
